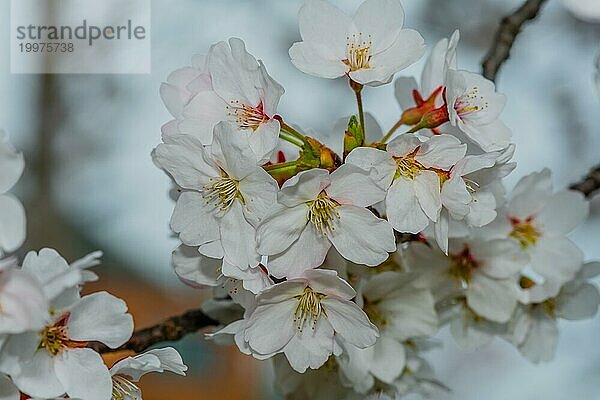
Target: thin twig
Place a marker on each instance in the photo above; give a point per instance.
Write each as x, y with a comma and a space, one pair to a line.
171, 329
505, 36
590, 184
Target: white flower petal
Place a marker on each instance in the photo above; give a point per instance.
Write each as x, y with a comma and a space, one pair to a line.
259, 191
38, 377
83, 374
556, 258
195, 269
361, 237
194, 220
494, 299
441, 151
378, 162
8, 391
260, 333
281, 228
389, 359
307, 252
540, 343
303, 187
352, 185
238, 238
427, 190
382, 19
155, 360
310, 348
530, 194
582, 304
563, 212
201, 114
12, 164
403, 209
321, 22
350, 322
101, 317
328, 282
500, 258
317, 60
12, 223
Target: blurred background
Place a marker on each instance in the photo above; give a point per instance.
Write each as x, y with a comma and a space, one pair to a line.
90, 183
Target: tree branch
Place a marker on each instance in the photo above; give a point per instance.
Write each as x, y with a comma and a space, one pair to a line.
505, 36
590, 184
171, 329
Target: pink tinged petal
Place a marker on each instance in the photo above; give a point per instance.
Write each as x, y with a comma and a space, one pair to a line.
382, 19
307, 252
281, 228
169, 130
272, 91
38, 377
530, 194
321, 22
326, 281
234, 72
403, 87
264, 140
556, 259
201, 114
100, 317
12, 223
303, 187
8, 391
350, 322
351, 185
271, 327
11, 164
310, 348
389, 359
186, 161
259, 191
403, 145
194, 269
238, 238
378, 163
492, 299
83, 374
434, 71
361, 237
563, 212
579, 304
318, 60
540, 343
427, 190
194, 220
442, 151
231, 149
174, 99
403, 209
500, 258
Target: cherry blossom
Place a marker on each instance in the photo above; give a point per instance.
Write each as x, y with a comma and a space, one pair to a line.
12, 214
317, 209
369, 47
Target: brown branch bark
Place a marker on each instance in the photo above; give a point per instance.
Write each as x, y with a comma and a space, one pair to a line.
505, 36
590, 184
171, 329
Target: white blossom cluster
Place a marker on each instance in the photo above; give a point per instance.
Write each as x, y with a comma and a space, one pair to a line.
340, 267
46, 324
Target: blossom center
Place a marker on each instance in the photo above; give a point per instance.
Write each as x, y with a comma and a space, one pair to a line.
358, 51
323, 214
525, 231
308, 309
246, 116
54, 338
221, 192
408, 166
124, 389
470, 102
462, 266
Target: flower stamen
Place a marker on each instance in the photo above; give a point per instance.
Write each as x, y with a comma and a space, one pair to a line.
308, 309
222, 192
358, 51
124, 389
246, 116
323, 214
525, 231
462, 266
470, 102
